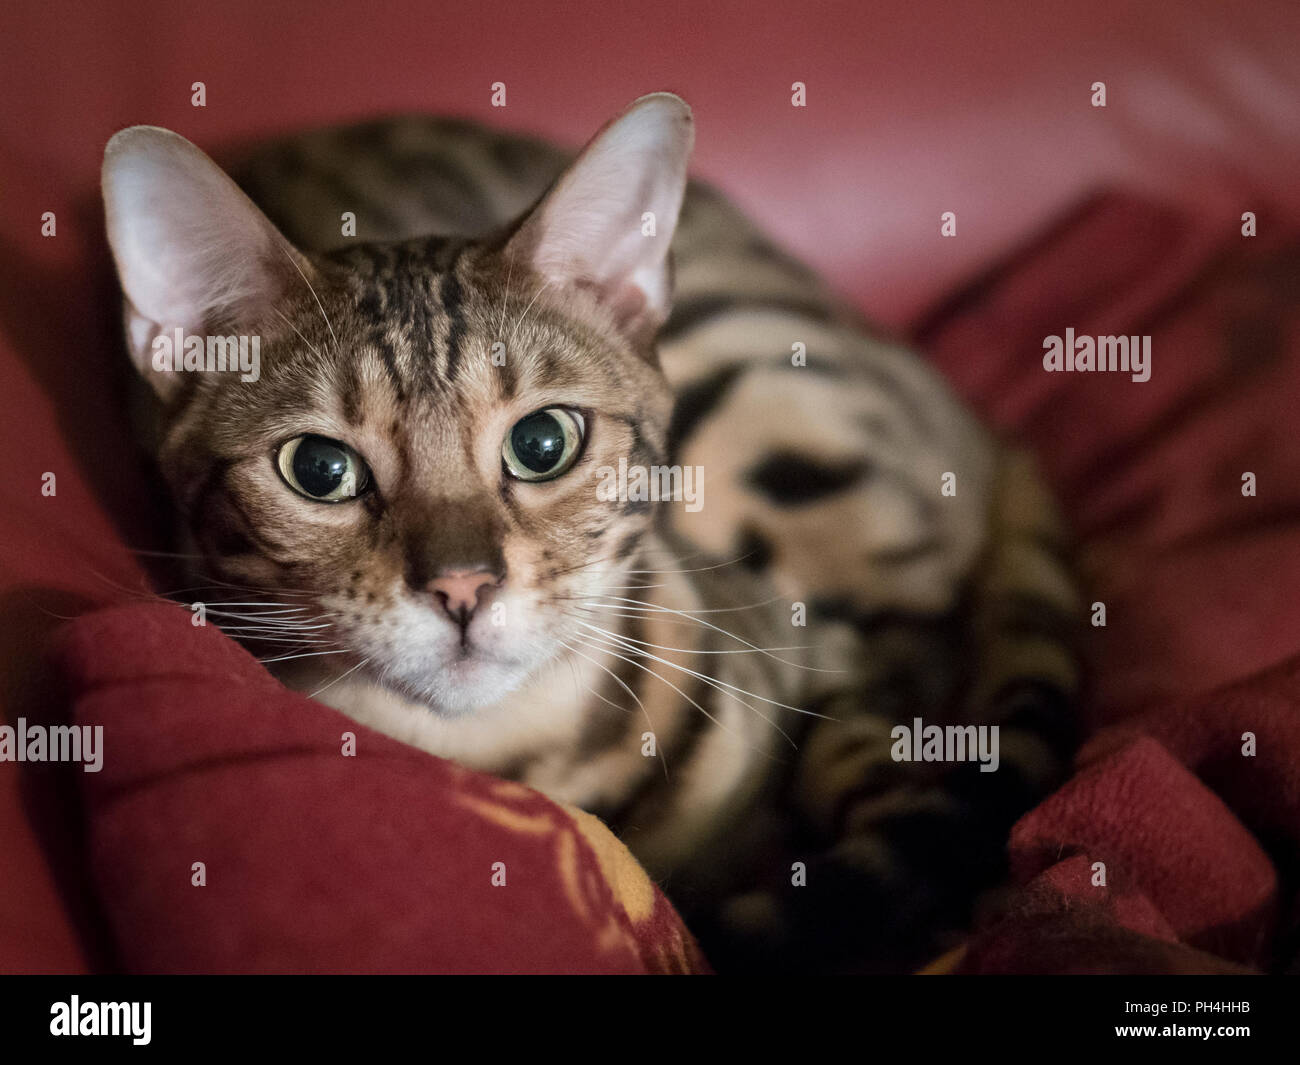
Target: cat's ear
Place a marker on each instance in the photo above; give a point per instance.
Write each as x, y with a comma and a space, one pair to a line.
608, 221
192, 251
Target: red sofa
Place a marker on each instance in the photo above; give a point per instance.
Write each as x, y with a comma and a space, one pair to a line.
1122, 219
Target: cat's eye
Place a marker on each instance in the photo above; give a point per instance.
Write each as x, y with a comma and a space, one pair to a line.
543, 445
322, 469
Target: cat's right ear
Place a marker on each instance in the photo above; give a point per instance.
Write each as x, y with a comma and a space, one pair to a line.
192, 250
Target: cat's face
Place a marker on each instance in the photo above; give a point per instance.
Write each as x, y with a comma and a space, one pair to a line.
413, 473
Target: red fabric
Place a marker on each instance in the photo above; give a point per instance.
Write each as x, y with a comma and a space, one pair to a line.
315, 861
912, 111
1199, 841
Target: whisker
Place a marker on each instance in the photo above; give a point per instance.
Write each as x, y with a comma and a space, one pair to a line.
717, 686
544, 287
505, 298
693, 650
692, 613
339, 677
724, 632
289, 255
310, 654
290, 324
697, 569
619, 680
662, 680
621, 641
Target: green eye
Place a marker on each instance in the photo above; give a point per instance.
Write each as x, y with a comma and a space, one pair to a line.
544, 444
322, 469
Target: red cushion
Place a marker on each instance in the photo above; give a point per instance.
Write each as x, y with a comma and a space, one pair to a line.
317, 861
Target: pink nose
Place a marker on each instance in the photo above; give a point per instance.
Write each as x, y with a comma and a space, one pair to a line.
459, 590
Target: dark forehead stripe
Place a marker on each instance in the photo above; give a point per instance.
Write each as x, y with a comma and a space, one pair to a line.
350, 386
388, 358
450, 294
405, 291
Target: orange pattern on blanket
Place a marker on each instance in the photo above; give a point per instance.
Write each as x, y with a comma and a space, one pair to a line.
605, 886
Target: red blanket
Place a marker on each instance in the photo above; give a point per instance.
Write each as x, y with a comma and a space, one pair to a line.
1175, 847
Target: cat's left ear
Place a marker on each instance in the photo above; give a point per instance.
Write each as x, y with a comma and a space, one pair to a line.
606, 225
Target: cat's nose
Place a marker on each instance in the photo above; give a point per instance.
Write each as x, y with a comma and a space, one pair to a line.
460, 590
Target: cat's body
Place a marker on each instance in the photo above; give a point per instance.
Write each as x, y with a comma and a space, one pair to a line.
718, 682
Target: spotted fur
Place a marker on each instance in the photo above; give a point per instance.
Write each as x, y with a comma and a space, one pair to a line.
823, 504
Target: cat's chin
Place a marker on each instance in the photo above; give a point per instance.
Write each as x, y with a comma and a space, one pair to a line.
465, 685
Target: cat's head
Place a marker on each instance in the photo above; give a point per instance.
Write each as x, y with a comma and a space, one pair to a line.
413, 471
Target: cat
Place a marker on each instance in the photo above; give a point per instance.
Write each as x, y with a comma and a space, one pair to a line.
462, 333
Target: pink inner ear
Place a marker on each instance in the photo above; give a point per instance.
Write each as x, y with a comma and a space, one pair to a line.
625, 300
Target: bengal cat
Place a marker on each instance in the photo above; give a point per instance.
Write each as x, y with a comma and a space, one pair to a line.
429, 506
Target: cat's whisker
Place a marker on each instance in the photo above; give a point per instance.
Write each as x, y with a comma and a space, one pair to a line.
748, 650
290, 324
573, 672
269, 633
340, 677
271, 608
711, 682
622, 684
267, 620
675, 622
278, 607
505, 298
214, 584
663, 680
697, 569
310, 654
712, 610
714, 682
255, 624
694, 650
724, 632
311, 288
583, 598
544, 287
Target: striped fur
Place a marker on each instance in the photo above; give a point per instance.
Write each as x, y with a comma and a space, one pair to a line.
823, 488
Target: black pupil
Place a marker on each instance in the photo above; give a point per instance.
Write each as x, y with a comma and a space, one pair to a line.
319, 466
538, 441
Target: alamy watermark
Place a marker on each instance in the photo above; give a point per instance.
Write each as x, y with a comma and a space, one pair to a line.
74, 1017
655, 484
1108, 354
178, 353
920, 742
53, 743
